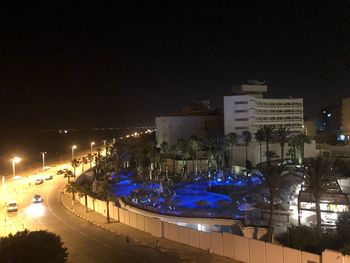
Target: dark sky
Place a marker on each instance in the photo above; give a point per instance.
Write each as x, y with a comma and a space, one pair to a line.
101, 65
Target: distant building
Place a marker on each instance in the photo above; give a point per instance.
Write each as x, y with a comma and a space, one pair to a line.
247, 110
199, 120
330, 119
346, 116
310, 128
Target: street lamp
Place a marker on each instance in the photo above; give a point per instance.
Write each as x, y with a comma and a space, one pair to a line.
73, 148
91, 144
14, 160
43, 157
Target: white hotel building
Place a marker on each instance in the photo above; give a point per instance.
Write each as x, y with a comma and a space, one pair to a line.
248, 110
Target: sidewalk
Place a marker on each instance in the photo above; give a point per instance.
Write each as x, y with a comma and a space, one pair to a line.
185, 253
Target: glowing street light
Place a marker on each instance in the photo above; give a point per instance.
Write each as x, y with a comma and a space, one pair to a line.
15, 160
73, 148
43, 157
91, 144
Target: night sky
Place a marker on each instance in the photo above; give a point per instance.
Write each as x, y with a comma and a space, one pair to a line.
107, 65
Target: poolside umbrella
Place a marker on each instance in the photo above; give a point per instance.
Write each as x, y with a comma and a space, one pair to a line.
245, 207
223, 203
202, 203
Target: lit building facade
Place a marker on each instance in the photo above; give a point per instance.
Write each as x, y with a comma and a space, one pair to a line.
199, 120
248, 110
346, 116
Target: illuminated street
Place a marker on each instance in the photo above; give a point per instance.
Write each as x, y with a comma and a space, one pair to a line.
85, 242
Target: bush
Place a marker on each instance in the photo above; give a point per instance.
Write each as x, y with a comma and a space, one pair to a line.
343, 227
304, 238
32, 247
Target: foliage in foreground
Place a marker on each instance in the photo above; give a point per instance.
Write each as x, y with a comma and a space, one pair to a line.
32, 247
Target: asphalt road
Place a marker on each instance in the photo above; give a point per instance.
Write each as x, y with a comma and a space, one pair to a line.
85, 242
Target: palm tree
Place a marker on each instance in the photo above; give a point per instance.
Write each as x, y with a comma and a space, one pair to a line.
302, 139
164, 152
260, 137
84, 160
67, 173
70, 189
282, 134
268, 135
231, 139
84, 191
182, 150
273, 176
193, 147
318, 175
90, 158
247, 138
75, 163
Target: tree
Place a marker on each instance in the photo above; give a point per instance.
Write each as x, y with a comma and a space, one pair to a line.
90, 158
84, 160
33, 247
182, 151
194, 145
301, 140
268, 135
75, 163
343, 227
260, 137
273, 176
84, 191
247, 138
66, 173
318, 175
282, 134
164, 152
70, 189
231, 139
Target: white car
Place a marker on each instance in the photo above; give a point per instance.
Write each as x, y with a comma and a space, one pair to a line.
48, 177
39, 181
12, 206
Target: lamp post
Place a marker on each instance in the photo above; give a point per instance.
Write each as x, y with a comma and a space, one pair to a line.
91, 145
73, 148
14, 160
43, 157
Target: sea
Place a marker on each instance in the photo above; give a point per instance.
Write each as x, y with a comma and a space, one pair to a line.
57, 144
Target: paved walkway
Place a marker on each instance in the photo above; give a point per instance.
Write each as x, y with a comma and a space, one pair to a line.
137, 237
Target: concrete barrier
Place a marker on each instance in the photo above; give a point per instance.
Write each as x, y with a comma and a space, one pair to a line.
127, 217
166, 230
173, 232
194, 237
257, 251
122, 215
291, 255
217, 243
204, 240
241, 247
228, 241
307, 257
330, 256
184, 235
140, 222
274, 253
133, 220
235, 247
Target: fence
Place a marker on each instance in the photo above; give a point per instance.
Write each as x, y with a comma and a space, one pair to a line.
232, 246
